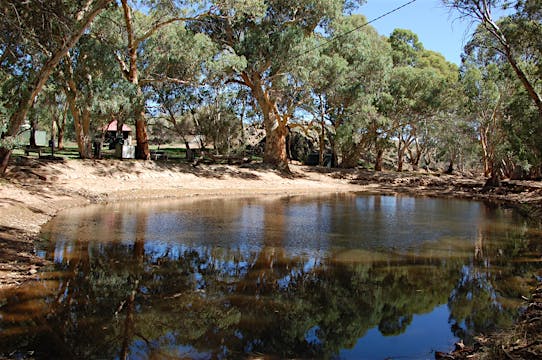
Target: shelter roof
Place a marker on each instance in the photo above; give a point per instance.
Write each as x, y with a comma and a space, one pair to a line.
113, 127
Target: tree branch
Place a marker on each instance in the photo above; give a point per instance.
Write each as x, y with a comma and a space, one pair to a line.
163, 79
162, 24
123, 66
132, 46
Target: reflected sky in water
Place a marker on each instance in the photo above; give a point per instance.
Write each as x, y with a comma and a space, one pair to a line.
341, 276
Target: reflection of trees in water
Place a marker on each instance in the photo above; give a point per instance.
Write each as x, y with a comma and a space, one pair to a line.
196, 299
129, 304
125, 300
489, 290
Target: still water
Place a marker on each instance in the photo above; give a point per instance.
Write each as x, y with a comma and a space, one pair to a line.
345, 276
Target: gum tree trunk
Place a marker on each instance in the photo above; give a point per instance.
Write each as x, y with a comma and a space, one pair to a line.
400, 155
275, 146
322, 131
131, 74
142, 148
379, 159
275, 124
61, 128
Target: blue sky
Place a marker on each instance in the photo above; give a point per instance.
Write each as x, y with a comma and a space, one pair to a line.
437, 28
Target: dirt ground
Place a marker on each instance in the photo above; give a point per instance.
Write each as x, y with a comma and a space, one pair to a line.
33, 191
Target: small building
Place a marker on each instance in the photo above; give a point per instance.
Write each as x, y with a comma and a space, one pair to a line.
123, 146
111, 132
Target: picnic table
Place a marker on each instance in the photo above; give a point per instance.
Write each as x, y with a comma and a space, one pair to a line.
32, 149
158, 154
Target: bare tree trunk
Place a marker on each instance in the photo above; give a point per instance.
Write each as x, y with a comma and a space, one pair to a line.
4, 158
61, 128
80, 113
400, 155
485, 151
450, 169
415, 158
142, 148
242, 124
132, 75
275, 146
52, 144
275, 128
379, 159
87, 140
33, 128
120, 125
322, 131
78, 128
81, 121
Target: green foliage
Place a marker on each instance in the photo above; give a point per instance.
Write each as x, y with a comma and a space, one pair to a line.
406, 47
34, 38
100, 87
414, 93
351, 75
523, 130
217, 120
510, 44
496, 86
305, 57
4, 101
175, 53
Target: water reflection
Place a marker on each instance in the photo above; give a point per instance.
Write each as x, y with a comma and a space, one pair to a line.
284, 277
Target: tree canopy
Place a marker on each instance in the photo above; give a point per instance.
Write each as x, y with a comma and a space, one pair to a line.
311, 72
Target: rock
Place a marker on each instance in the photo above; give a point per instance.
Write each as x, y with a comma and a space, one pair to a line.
459, 346
443, 356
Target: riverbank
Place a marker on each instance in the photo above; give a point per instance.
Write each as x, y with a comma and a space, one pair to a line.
36, 190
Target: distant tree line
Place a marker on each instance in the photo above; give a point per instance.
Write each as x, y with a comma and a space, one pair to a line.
180, 68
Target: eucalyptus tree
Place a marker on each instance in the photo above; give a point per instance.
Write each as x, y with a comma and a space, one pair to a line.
330, 73
524, 153
49, 112
509, 35
406, 47
218, 118
268, 47
211, 110
7, 90
35, 37
349, 79
414, 97
526, 31
94, 90
487, 92
512, 45
153, 46
418, 92
57, 107
175, 109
